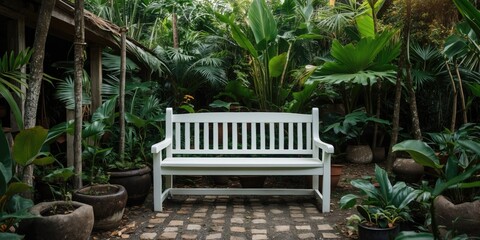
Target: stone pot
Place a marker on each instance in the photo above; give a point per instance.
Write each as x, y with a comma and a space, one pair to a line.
137, 182
374, 233
407, 170
463, 217
59, 226
108, 202
359, 154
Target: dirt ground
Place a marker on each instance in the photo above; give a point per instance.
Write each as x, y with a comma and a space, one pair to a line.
336, 218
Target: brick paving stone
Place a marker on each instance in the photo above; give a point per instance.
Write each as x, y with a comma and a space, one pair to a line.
202, 210
217, 215
259, 231
329, 235
147, 236
282, 228
259, 237
218, 221
316, 218
324, 227
168, 235
259, 214
196, 220
276, 211
151, 226
236, 220
196, 215
171, 229
193, 227
214, 236
162, 215
306, 236
175, 223
156, 220
259, 221
189, 236
303, 227
297, 215
237, 238
237, 229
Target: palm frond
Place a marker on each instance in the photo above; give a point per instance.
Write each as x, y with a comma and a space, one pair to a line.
66, 94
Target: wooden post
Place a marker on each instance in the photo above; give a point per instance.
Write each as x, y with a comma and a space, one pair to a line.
96, 76
123, 76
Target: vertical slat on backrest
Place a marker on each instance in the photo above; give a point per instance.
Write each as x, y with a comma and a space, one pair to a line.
178, 137
187, 135
300, 135
281, 138
244, 136
215, 136
262, 136
309, 136
225, 135
290, 135
206, 144
272, 136
254, 136
197, 135
169, 129
234, 136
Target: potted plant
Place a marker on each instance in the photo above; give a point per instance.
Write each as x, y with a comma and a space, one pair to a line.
352, 127
383, 208
44, 219
456, 185
108, 200
132, 170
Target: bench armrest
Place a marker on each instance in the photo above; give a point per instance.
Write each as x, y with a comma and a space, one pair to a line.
324, 146
157, 147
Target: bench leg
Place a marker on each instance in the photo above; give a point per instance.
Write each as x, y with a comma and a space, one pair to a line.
326, 194
157, 189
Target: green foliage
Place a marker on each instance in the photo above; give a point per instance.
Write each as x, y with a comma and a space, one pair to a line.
384, 206
353, 125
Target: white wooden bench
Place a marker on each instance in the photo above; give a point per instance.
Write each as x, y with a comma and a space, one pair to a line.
241, 143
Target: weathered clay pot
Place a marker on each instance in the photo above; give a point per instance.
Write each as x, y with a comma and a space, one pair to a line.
137, 182
464, 217
359, 154
59, 226
407, 170
372, 233
335, 174
108, 202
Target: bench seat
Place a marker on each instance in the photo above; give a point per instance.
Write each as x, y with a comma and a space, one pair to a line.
241, 162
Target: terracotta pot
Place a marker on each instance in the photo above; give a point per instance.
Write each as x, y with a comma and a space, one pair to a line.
359, 154
407, 170
463, 217
108, 202
373, 233
137, 182
60, 226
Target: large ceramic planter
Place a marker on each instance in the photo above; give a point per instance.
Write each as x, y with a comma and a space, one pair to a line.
407, 170
359, 154
464, 217
373, 233
335, 174
137, 182
76, 224
108, 202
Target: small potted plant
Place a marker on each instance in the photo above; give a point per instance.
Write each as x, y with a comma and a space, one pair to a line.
383, 208
352, 127
108, 200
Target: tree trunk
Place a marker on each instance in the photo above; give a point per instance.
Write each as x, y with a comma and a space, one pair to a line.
175, 29
79, 61
36, 68
123, 76
455, 97
462, 95
417, 133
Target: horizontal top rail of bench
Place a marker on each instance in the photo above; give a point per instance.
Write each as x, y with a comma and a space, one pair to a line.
241, 117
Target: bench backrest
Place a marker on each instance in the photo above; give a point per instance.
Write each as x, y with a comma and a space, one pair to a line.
241, 133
